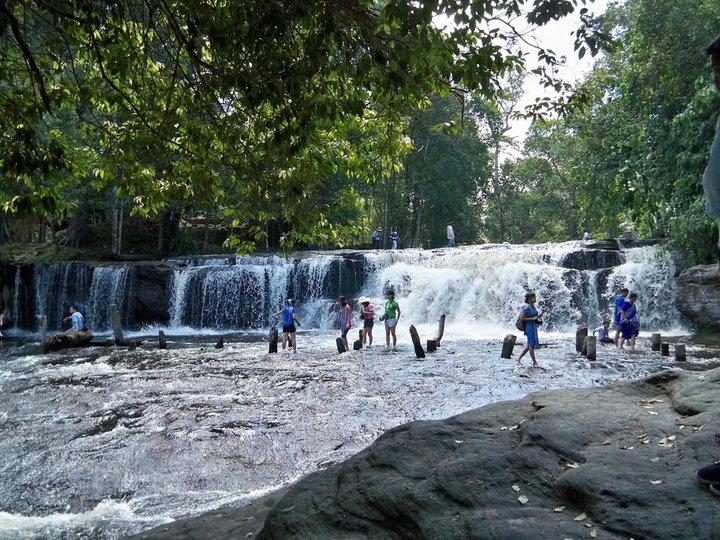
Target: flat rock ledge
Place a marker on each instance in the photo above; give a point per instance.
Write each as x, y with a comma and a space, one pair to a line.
609, 462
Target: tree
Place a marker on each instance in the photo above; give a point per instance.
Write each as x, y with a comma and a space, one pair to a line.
252, 106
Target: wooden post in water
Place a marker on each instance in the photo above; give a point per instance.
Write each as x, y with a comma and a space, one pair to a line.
431, 345
508, 344
680, 355
162, 340
591, 347
273, 340
43, 332
358, 344
116, 324
655, 342
583, 349
441, 330
220, 343
419, 352
580, 336
665, 349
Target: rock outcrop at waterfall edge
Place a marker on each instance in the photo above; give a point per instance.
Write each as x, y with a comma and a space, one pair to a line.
611, 462
698, 291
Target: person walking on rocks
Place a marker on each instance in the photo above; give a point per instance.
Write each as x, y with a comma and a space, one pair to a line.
531, 317
394, 238
289, 321
367, 314
391, 316
344, 320
375, 237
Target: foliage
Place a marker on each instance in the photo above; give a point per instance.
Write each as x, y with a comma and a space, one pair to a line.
248, 109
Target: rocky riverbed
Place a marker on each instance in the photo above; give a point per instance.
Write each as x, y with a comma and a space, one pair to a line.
105, 442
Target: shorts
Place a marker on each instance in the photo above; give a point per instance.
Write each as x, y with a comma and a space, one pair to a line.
390, 323
344, 332
289, 328
368, 323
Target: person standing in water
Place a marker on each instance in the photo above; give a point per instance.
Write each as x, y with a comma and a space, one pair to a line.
530, 316
289, 321
367, 312
391, 316
617, 315
344, 320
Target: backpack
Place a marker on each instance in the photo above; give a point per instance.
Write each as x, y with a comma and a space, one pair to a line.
520, 324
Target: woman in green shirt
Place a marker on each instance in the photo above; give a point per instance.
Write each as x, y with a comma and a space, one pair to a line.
391, 316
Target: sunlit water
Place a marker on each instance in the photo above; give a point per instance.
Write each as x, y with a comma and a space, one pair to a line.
103, 442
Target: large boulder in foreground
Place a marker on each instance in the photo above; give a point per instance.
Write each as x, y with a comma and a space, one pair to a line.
610, 462
697, 294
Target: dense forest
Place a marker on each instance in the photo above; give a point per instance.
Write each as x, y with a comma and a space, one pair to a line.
177, 127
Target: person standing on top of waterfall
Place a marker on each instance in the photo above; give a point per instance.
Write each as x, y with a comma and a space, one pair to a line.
375, 237
394, 238
531, 317
77, 322
450, 235
391, 316
289, 321
344, 320
711, 176
617, 313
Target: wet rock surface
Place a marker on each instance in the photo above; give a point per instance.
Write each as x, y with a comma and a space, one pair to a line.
698, 291
617, 461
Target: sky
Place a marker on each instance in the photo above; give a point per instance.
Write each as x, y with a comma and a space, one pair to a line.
559, 37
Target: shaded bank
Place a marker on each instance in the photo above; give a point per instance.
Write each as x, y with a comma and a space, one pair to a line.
611, 462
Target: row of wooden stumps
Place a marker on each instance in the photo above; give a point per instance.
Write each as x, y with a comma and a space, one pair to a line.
432, 344
587, 346
657, 344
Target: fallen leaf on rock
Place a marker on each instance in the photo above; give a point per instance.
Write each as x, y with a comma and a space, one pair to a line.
593, 533
605, 443
655, 460
458, 442
569, 465
652, 412
516, 488
698, 428
504, 428
627, 448
672, 438
581, 517
588, 525
523, 499
655, 482
558, 509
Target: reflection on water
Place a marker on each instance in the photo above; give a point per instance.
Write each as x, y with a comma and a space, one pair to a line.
103, 442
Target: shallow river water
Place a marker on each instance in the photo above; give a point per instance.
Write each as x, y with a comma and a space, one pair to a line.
104, 442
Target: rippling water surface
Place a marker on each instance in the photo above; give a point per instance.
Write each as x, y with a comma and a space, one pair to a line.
104, 442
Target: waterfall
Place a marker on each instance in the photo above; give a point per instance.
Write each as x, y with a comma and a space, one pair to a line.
479, 287
57, 285
108, 287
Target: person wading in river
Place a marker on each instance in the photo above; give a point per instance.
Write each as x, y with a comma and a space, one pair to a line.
531, 317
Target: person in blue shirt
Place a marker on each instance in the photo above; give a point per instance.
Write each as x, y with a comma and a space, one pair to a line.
394, 239
617, 313
289, 321
602, 332
77, 322
530, 316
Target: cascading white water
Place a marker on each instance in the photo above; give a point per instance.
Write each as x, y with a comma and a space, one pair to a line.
108, 287
484, 286
56, 286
